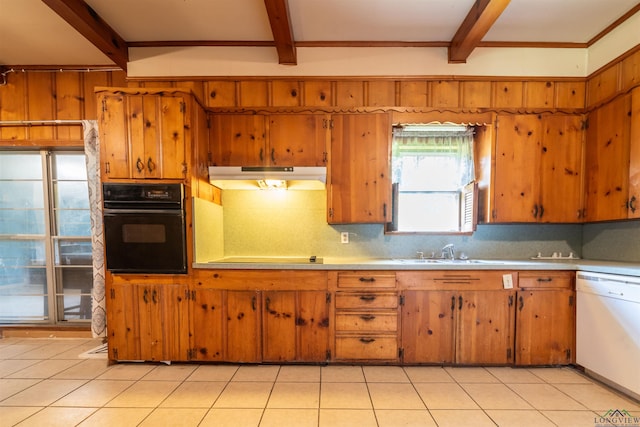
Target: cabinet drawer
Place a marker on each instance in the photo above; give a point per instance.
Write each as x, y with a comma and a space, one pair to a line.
367, 347
367, 322
363, 279
546, 279
366, 300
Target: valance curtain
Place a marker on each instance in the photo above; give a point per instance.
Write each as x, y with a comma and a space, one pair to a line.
92, 154
415, 150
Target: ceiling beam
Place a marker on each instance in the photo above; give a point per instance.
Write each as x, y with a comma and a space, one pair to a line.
474, 27
91, 26
278, 11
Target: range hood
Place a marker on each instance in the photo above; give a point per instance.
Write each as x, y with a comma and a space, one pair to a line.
249, 177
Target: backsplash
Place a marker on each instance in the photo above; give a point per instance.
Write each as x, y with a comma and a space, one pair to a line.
293, 223
612, 241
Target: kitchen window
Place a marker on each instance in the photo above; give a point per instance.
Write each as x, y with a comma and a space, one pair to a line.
45, 238
433, 180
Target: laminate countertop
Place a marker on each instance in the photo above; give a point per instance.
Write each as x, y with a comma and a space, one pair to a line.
341, 263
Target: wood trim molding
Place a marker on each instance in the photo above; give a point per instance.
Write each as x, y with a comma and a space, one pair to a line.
615, 24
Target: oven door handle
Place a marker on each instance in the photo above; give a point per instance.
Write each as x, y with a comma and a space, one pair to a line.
177, 212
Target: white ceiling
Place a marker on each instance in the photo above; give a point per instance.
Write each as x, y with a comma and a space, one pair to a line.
32, 34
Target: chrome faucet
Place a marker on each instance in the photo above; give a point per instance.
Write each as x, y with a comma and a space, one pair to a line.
448, 252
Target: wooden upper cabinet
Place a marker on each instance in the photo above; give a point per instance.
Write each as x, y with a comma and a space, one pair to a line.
607, 161
561, 170
633, 203
538, 174
237, 140
269, 140
359, 187
143, 136
298, 139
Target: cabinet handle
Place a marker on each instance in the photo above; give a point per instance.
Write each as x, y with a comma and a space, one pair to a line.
521, 303
267, 303
460, 302
150, 165
541, 211
261, 155
145, 296
545, 279
139, 165
107, 168
632, 204
367, 279
453, 303
367, 317
253, 303
154, 296
534, 212
273, 156
368, 297
367, 340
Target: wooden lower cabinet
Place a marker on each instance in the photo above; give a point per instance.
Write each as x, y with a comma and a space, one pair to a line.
545, 319
465, 327
366, 317
295, 326
148, 322
207, 325
242, 328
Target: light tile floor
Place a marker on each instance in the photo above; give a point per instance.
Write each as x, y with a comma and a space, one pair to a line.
44, 382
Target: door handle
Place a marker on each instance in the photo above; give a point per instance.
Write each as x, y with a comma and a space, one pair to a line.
367, 317
521, 300
139, 165
368, 298
150, 165
367, 340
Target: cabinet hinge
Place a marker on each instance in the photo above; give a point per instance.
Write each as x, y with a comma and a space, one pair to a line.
115, 353
400, 353
494, 214
183, 107
570, 300
328, 355
184, 168
104, 105
510, 300
328, 298
568, 354
112, 293
208, 123
330, 212
508, 354
401, 300
585, 124
325, 157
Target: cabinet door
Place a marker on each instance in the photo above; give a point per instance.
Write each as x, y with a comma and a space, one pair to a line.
484, 331
298, 139
634, 157
163, 321
114, 141
517, 179
359, 189
279, 326
123, 334
243, 326
312, 325
427, 326
561, 198
206, 314
607, 161
545, 327
238, 140
171, 162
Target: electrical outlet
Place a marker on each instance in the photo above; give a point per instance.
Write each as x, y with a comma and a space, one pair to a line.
344, 237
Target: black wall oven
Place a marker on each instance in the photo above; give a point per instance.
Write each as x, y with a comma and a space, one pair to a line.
144, 228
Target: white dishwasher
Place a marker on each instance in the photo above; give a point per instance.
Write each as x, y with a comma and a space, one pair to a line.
608, 327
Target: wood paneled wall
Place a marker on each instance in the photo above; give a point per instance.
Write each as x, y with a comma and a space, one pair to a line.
37, 95
615, 79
